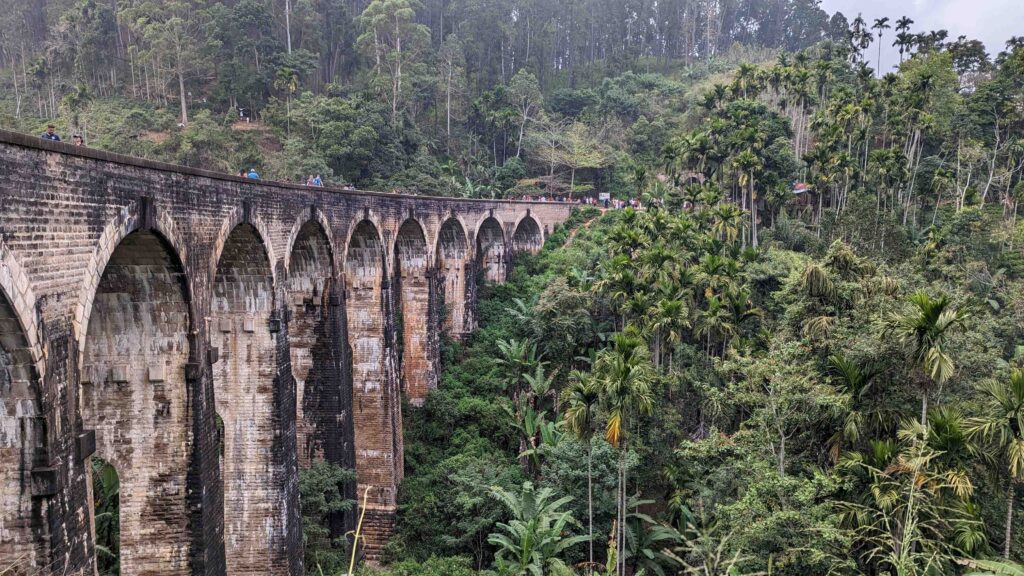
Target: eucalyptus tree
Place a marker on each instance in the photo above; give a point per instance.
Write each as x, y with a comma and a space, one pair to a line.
393, 41
172, 32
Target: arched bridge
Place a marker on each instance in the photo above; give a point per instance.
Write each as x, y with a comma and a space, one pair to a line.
208, 336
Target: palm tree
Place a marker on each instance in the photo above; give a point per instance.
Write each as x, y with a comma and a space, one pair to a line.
715, 323
581, 400
924, 330
904, 39
665, 321
859, 36
747, 163
904, 24
855, 382
881, 24
1002, 425
745, 77
899, 516
726, 221
533, 539
625, 375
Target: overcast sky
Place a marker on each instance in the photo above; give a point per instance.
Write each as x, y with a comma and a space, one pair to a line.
991, 21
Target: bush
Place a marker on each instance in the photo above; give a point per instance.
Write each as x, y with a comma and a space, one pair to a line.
453, 566
321, 491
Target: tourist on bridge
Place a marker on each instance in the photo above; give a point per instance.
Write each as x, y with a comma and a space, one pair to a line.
318, 181
253, 174
77, 140
50, 134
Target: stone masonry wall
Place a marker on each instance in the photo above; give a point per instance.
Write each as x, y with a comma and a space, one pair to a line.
135, 397
412, 282
492, 251
22, 532
243, 376
453, 256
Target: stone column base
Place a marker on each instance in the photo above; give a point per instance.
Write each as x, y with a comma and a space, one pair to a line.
378, 527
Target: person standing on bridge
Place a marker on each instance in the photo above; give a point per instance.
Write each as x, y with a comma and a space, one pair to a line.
318, 181
253, 174
50, 134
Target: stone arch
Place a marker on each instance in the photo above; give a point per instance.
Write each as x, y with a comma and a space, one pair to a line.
376, 406
312, 215
452, 259
242, 215
413, 283
134, 394
368, 217
244, 377
529, 235
314, 341
491, 250
22, 423
136, 215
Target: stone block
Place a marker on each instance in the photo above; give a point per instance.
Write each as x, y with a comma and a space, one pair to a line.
157, 373
45, 482
86, 444
119, 373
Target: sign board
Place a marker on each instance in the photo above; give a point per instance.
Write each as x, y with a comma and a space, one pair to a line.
602, 196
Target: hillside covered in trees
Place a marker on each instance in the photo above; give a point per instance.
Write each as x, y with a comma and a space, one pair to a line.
469, 97
804, 356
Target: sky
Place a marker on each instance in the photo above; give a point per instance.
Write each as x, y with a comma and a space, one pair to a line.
991, 21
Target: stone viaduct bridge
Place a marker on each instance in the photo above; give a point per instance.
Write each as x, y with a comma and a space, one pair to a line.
208, 336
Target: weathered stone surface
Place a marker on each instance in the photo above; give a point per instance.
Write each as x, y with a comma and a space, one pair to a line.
139, 322
412, 281
158, 305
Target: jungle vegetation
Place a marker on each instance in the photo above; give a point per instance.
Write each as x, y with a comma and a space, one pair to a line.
804, 354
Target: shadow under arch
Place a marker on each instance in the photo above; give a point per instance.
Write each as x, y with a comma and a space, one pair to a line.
528, 235
244, 376
453, 265
376, 402
135, 395
23, 443
412, 281
492, 251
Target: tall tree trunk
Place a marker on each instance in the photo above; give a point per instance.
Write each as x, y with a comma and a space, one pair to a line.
620, 509
288, 23
590, 498
448, 105
924, 409
753, 214
181, 94
522, 130
1011, 493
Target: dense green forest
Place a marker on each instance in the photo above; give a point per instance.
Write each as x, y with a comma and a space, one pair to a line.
804, 356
